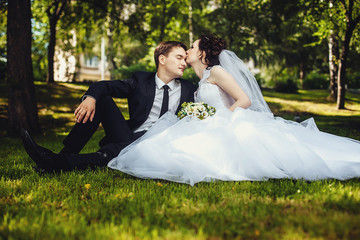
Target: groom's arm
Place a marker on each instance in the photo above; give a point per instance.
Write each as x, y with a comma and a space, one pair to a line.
116, 88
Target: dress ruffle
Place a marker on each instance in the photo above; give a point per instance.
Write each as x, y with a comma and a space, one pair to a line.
244, 145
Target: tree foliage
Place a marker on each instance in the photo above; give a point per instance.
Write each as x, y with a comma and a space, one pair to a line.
339, 23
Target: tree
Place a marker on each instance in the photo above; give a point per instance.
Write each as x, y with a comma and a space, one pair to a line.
22, 108
336, 22
54, 12
112, 16
352, 16
273, 33
333, 64
333, 57
159, 20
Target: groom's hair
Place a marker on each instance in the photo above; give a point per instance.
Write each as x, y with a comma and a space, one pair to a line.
164, 48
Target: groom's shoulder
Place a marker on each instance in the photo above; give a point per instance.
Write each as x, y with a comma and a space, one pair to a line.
187, 83
143, 75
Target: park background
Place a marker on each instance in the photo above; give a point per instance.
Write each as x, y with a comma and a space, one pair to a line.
305, 55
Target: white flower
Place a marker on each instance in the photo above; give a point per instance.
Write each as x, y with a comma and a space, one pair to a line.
204, 114
199, 110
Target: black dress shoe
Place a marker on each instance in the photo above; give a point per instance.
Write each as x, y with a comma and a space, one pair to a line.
44, 158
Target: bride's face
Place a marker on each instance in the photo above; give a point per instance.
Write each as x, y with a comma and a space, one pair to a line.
193, 54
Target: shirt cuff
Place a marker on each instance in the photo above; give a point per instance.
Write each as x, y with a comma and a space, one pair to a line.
85, 96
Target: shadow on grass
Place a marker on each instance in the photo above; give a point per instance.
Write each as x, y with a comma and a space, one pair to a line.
56, 105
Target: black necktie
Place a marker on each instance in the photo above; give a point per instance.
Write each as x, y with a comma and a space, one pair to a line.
165, 103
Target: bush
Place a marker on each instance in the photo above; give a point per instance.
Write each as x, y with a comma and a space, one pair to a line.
284, 80
316, 80
286, 86
259, 79
353, 80
127, 71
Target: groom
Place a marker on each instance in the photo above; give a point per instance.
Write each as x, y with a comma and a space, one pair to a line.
149, 96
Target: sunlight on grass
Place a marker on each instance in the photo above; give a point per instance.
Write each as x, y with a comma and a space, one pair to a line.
313, 102
75, 86
325, 109
3, 101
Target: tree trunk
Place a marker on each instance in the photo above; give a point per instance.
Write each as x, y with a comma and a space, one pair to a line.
51, 51
111, 53
333, 59
191, 35
350, 27
57, 7
22, 107
333, 64
342, 71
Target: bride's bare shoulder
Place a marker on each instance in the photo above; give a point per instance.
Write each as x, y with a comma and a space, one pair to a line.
216, 68
217, 73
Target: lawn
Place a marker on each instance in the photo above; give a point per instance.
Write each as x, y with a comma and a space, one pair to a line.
107, 204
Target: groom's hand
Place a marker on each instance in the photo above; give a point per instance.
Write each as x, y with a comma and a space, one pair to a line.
85, 110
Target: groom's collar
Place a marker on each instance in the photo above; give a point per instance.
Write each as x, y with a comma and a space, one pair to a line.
160, 83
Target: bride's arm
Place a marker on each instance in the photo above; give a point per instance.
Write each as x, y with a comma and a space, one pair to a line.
226, 81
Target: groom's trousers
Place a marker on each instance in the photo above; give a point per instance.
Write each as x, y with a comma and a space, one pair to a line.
117, 136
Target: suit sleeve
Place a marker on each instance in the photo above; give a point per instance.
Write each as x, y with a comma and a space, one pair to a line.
114, 88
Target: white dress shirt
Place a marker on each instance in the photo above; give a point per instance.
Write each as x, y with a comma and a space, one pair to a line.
174, 101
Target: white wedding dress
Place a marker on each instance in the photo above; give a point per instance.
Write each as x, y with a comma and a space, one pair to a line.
235, 146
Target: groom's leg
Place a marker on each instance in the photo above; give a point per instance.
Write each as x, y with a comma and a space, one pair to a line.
114, 123
112, 149
117, 132
80, 135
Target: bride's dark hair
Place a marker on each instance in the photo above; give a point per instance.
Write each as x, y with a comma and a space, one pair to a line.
211, 45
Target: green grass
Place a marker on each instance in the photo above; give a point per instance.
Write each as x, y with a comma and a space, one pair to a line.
107, 204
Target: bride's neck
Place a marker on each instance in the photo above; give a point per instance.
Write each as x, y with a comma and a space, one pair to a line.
199, 68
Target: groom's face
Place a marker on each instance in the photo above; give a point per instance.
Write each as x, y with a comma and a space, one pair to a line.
174, 63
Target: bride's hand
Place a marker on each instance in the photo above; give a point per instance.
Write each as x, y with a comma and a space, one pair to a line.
85, 111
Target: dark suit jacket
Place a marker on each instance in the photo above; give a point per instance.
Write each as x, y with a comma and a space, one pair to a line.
140, 92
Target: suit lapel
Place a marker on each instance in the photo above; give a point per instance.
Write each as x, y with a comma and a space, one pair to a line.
150, 94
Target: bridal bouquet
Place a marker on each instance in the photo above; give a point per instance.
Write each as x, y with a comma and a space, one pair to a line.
199, 109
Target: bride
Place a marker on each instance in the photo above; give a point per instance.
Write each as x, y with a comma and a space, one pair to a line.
242, 141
